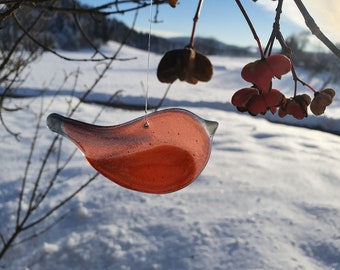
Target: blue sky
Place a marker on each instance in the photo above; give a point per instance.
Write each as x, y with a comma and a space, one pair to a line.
224, 21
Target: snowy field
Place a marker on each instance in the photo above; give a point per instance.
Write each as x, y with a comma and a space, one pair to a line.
268, 198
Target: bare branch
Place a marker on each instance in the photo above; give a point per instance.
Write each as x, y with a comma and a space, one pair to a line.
97, 10
101, 75
245, 15
2, 239
9, 11
314, 28
47, 228
85, 36
46, 48
62, 203
195, 20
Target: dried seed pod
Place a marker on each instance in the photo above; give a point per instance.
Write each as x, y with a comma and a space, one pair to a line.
168, 67
304, 100
186, 65
321, 100
296, 106
173, 3
329, 91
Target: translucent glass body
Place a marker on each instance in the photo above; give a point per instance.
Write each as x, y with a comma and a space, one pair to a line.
163, 156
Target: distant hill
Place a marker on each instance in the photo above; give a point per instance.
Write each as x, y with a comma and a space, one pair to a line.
58, 30
209, 46
212, 46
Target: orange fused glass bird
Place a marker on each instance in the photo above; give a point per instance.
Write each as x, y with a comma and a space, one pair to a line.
158, 153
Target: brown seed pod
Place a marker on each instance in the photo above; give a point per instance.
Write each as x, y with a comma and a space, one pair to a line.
304, 100
296, 106
186, 65
168, 66
328, 91
321, 100
173, 3
203, 69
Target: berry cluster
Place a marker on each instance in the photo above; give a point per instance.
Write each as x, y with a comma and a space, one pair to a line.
261, 97
191, 66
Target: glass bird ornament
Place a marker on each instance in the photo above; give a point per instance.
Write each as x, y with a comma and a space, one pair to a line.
161, 152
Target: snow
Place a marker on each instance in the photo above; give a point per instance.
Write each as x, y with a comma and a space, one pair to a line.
268, 198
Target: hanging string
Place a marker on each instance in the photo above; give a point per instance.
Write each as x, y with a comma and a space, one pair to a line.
146, 124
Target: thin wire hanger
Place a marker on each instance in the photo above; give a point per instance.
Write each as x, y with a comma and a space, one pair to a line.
146, 124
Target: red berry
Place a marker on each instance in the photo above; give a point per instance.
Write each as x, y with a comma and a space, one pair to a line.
279, 64
241, 98
261, 72
255, 102
258, 73
257, 105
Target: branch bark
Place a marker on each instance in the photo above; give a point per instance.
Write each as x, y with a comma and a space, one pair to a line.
315, 30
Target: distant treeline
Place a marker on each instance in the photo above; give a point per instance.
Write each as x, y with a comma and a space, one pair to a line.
74, 31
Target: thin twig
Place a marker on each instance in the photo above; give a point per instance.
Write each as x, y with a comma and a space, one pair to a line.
245, 15
88, 40
15, 71
195, 19
9, 11
46, 48
62, 203
47, 228
97, 10
314, 28
163, 98
276, 29
2, 239
28, 164
106, 68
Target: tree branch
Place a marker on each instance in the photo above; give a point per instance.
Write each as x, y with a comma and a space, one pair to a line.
314, 28
97, 9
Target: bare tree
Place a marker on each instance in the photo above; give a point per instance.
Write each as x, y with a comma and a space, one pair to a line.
22, 46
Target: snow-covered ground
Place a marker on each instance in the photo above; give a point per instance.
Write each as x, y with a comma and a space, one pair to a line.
268, 198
